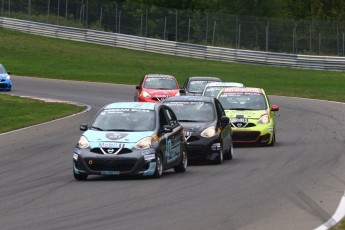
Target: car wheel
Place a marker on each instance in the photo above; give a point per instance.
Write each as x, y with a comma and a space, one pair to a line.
229, 154
182, 167
273, 139
159, 167
80, 176
219, 159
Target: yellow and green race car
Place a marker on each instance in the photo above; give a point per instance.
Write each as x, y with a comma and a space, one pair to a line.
251, 115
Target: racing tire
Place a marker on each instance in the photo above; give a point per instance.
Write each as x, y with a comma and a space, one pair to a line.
80, 176
273, 139
159, 167
182, 167
229, 154
220, 157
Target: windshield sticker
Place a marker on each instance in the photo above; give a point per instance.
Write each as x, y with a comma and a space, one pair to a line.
182, 103
213, 88
158, 78
115, 136
197, 82
121, 110
242, 90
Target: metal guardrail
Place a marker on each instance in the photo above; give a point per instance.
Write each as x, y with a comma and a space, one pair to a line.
176, 48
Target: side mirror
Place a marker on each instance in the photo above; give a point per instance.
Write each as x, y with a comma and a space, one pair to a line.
83, 127
182, 91
274, 108
138, 87
167, 129
224, 121
8, 72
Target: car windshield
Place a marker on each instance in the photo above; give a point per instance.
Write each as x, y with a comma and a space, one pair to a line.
213, 91
160, 83
197, 86
243, 101
131, 120
2, 70
192, 111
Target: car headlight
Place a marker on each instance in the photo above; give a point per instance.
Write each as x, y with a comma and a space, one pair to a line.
144, 143
209, 132
8, 77
83, 143
177, 94
145, 94
264, 119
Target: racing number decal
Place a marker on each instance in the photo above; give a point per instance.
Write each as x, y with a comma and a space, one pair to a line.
172, 152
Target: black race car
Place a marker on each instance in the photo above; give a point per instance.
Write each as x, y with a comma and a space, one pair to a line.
195, 85
131, 138
207, 129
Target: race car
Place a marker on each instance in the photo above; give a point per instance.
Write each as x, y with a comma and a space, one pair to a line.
213, 88
131, 138
206, 127
252, 117
195, 85
156, 87
5, 79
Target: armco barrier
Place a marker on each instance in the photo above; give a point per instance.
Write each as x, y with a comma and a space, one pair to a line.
176, 48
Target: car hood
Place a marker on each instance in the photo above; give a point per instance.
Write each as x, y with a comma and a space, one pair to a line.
162, 92
112, 139
249, 114
195, 126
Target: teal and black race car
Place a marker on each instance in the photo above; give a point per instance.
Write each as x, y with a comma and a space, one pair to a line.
251, 115
131, 138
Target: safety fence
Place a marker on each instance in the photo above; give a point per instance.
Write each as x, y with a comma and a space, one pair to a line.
335, 63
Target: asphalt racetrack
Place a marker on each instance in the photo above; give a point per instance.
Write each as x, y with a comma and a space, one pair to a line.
297, 184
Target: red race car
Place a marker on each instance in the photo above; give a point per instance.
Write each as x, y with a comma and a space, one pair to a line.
156, 87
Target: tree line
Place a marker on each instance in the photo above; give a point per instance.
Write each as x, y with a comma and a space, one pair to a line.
322, 10
291, 26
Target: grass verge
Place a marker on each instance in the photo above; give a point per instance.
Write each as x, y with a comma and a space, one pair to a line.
18, 112
37, 56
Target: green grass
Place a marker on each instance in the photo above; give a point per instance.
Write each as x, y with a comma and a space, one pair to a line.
36, 56
18, 112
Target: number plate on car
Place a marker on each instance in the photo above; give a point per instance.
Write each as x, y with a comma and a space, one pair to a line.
239, 120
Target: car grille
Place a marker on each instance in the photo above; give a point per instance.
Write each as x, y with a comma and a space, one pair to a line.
159, 98
242, 125
111, 151
3, 85
246, 136
110, 164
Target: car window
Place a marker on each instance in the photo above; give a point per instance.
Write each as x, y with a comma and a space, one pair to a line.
191, 111
2, 70
220, 109
197, 86
243, 101
124, 120
171, 117
160, 83
162, 118
212, 91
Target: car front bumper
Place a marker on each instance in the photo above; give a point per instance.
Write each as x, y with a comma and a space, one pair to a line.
5, 85
261, 135
201, 148
138, 162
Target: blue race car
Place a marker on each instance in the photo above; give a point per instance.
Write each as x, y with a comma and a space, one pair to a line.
5, 79
131, 138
